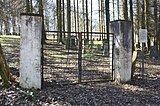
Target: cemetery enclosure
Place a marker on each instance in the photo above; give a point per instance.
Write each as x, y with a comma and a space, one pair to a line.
81, 62
10, 45
61, 65
137, 93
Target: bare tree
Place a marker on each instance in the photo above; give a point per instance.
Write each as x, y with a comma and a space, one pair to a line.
43, 27
87, 25
131, 16
118, 8
63, 16
91, 19
125, 9
68, 23
156, 25
77, 16
113, 2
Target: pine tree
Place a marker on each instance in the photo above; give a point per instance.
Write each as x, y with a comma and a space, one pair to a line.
125, 9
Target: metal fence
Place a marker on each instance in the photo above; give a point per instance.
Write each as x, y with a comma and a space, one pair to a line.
75, 59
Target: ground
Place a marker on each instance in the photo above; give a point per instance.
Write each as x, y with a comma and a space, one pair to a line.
138, 92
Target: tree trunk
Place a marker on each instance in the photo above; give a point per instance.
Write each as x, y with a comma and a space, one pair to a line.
4, 69
1, 25
7, 25
77, 16
118, 8
63, 18
143, 25
107, 18
102, 17
148, 9
159, 29
13, 24
107, 22
99, 10
125, 10
113, 10
131, 16
43, 27
156, 20
57, 12
91, 19
59, 22
27, 6
83, 18
87, 25
137, 20
68, 23
31, 10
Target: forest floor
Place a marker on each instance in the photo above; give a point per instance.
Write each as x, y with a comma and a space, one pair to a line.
138, 92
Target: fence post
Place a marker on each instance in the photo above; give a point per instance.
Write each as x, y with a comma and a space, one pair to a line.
30, 51
80, 58
122, 49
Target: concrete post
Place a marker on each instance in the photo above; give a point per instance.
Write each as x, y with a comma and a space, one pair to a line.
30, 51
122, 49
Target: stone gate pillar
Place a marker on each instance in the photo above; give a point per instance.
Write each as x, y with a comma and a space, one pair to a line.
30, 51
122, 55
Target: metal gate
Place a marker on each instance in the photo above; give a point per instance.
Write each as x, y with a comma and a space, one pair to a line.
81, 61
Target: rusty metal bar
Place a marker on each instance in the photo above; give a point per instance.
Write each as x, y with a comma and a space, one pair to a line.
80, 58
81, 32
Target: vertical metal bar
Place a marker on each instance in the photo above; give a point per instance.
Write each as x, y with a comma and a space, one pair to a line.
42, 63
143, 61
80, 58
113, 71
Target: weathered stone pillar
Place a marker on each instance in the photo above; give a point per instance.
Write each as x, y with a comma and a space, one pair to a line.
30, 51
122, 49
